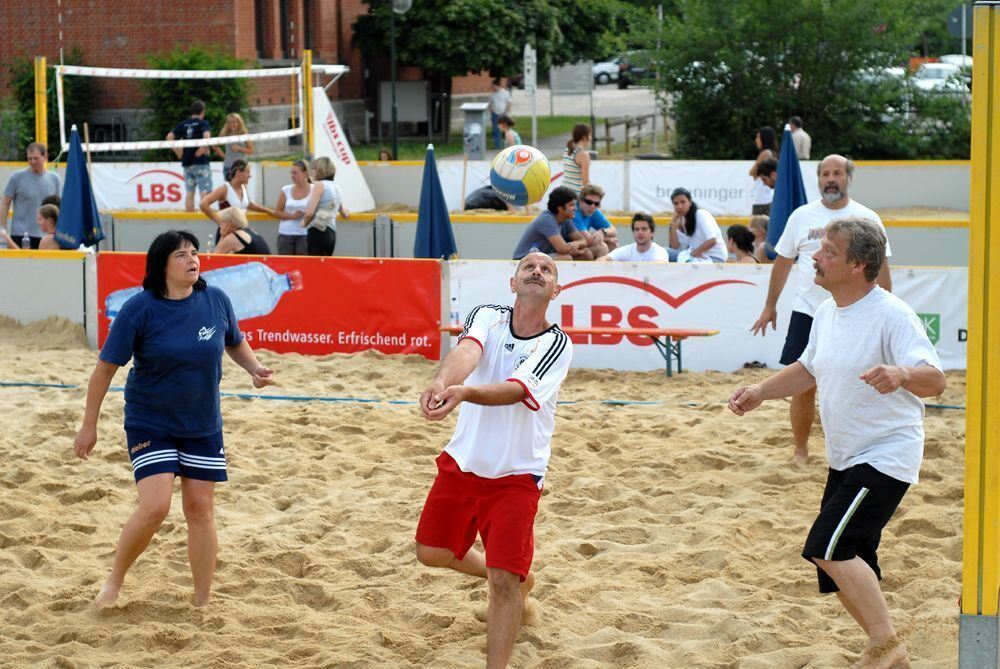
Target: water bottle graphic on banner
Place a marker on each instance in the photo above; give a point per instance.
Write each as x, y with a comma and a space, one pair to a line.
254, 289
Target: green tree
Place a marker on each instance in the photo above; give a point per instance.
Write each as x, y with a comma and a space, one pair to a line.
169, 100
455, 37
78, 97
732, 67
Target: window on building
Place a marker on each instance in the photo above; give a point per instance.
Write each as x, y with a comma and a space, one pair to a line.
260, 26
307, 25
286, 36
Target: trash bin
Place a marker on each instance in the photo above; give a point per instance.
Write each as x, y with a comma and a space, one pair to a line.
477, 125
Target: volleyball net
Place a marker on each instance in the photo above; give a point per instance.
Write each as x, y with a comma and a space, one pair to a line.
278, 104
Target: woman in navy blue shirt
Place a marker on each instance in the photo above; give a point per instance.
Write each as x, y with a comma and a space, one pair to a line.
175, 330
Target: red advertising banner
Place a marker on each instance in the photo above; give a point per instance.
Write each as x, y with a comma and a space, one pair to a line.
310, 305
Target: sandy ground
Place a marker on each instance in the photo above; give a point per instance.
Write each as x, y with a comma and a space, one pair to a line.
668, 535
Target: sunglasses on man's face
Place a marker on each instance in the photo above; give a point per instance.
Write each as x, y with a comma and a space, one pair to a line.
592, 203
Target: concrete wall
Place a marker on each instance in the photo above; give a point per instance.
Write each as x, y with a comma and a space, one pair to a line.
41, 284
478, 237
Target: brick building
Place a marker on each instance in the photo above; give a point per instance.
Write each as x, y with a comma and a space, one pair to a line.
271, 33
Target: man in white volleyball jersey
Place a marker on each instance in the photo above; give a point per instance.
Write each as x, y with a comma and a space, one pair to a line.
506, 369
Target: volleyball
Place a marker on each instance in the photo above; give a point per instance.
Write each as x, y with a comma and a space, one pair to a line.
520, 174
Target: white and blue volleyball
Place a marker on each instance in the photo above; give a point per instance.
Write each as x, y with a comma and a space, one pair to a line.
520, 174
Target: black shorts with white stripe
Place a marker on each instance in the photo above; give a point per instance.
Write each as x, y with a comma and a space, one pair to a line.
857, 504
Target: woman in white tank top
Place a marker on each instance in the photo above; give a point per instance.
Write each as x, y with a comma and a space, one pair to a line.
233, 193
325, 204
292, 204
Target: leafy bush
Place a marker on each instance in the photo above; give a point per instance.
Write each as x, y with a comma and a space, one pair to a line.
169, 100
78, 92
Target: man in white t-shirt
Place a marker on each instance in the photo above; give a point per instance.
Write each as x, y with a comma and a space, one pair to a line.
501, 103
800, 240
507, 369
644, 249
870, 357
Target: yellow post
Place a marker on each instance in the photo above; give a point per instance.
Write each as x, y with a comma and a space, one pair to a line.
307, 103
979, 631
41, 102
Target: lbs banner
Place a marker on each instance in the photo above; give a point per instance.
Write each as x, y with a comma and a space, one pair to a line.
727, 298
306, 305
149, 186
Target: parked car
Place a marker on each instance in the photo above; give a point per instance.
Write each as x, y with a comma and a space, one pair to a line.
956, 59
943, 77
607, 71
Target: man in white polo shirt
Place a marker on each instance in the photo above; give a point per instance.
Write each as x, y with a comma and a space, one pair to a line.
869, 355
507, 369
644, 249
799, 241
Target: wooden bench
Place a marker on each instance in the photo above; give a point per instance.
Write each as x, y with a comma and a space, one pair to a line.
667, 340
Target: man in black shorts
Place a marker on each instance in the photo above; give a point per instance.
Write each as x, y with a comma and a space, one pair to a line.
869, 354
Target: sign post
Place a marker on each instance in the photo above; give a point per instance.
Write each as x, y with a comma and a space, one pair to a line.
531, 87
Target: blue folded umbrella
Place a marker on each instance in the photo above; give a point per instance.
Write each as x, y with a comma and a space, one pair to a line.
789, 192
435, 238
79, 223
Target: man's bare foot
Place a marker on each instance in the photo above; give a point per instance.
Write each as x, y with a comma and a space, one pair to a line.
201, 601
801, 457
108, 594
888, 654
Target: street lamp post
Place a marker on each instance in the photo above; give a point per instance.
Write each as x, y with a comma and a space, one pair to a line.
400, 7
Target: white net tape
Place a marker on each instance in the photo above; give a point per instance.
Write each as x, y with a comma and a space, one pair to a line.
124, 73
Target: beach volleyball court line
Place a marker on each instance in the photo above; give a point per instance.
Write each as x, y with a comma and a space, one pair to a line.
368, 400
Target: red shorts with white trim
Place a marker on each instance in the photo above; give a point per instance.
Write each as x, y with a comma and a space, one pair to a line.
502, 511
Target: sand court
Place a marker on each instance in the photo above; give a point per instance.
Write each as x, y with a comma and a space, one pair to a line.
668, 534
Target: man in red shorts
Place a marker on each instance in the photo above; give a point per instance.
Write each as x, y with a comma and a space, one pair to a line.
507, 368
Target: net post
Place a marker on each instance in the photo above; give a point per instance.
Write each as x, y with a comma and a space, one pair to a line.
978, 622
60, 103
307, 104
41, 110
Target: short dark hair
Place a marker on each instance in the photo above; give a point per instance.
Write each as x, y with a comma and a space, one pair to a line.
52, 199
641, 216
37, 146
865, 242
496, 81
741, 236
197, 107
237, 165
766, 167
158, 255
560, 197
795, 120
49, 211
506, 120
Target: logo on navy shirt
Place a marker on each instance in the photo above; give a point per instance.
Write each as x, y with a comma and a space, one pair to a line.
206, 333
509, 347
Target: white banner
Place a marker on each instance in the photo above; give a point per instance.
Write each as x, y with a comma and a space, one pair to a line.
727, 298
150, 186
721, 186
331, 142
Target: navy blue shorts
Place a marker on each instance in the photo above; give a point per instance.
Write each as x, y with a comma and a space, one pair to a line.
201, 458
797, 338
